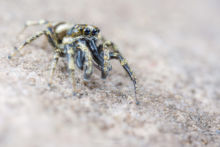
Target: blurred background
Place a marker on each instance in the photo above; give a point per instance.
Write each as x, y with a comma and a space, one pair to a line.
173, 47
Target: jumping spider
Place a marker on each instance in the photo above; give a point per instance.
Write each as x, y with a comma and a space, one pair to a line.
82, 45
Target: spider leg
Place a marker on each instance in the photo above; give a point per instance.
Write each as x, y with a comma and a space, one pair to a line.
95, 52
28, 41
106, 64
124, 64
80, 58
33, 23
104, 52
88, 63
71, 67
115, 54
53, 66
48, 33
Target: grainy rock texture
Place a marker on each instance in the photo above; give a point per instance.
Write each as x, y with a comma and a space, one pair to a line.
173, 47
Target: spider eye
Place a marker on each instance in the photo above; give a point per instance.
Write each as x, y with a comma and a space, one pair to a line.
94, 32
87, 31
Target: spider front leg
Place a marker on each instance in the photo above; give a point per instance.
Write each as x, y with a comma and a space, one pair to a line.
115, 54
87, 60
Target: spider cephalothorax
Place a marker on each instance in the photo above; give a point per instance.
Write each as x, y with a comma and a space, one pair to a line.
83, 45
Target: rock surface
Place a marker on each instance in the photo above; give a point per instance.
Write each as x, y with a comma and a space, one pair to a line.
173, 47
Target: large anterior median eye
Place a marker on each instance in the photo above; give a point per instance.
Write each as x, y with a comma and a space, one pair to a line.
87, 31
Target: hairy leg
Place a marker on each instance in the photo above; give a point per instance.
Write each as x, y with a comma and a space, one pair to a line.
50, 25
88, 64
106, 64
124, 64
53, 66
33, 23
28, 41
104, 50
48, 33
80, 58
115, 54
71, 65
95, 52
